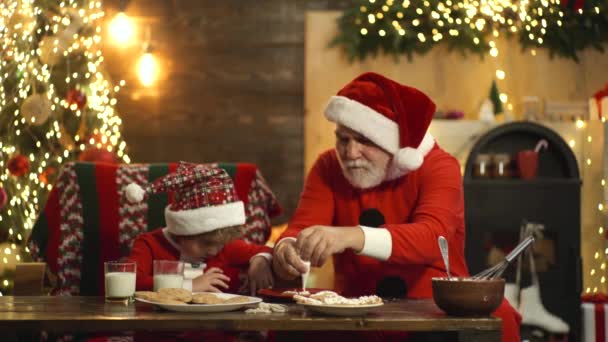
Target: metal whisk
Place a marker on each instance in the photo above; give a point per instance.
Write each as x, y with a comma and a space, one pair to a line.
497, 270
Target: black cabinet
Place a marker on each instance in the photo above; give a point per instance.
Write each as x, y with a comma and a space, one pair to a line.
496, 207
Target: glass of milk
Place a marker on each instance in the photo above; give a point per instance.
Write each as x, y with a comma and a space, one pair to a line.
168, 274
119, 281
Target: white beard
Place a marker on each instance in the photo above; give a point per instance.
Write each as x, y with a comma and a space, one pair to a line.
362, 174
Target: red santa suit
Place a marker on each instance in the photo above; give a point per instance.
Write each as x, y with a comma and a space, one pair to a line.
158, 245
420, 199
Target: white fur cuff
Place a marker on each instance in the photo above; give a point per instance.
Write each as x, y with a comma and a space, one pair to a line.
378, 243
376, 127
205, 219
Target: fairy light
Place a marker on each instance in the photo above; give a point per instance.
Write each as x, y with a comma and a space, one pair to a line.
28, 63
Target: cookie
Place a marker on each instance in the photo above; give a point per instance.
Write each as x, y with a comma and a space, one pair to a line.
146, 295
165, 300
181, 295
206, 298
236, 300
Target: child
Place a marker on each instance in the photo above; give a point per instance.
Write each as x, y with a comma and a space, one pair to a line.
202, 225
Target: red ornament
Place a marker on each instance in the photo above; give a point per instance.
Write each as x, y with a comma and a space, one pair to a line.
574, 4
76, 97
93, 154
3, 198
48, 175
18, 165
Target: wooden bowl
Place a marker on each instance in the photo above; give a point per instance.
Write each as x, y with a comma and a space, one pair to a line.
468, 297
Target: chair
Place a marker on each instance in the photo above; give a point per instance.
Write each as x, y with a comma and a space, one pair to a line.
87, 219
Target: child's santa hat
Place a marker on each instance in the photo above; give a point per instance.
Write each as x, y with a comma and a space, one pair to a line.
393, 116
205, 199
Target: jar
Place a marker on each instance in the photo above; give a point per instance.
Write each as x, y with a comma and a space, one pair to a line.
483, 166
502, 166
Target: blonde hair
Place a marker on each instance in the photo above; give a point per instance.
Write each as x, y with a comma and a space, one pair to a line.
222, 235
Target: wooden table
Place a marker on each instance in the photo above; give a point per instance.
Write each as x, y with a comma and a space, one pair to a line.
88, 314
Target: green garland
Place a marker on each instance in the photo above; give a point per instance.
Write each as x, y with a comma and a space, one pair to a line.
403, 27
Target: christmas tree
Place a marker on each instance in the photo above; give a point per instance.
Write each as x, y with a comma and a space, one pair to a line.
56, 105
495, 97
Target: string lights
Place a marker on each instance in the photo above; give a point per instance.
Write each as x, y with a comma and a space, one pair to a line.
597, 273
51, 61
404, 27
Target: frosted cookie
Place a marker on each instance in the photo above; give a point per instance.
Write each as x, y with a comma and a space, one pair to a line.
266, 308
306, 300
323, 295
293, 293
206, 298
181, 295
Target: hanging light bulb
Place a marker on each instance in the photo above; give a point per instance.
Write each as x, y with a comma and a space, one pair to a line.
147, 67
122, 28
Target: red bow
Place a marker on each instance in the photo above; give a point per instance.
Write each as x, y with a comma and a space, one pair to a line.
598, 99
595, 298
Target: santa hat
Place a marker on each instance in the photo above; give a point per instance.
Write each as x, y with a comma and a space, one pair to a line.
393, 116
205, 199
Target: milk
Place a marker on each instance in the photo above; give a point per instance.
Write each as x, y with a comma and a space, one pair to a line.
162, 281
120, 285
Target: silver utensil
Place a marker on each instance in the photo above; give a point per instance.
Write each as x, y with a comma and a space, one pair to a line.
497, 270
443, 247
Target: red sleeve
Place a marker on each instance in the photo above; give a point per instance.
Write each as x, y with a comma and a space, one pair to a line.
316, 205
141, 253
237, 253
440, 211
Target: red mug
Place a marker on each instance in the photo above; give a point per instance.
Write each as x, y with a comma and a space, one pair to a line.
527, 164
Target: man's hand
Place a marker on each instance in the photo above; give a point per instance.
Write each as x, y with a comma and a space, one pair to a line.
318, 243
286, 262
260, 274
211, 281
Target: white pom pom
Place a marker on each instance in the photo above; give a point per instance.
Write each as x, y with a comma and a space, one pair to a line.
135, 193
408, 159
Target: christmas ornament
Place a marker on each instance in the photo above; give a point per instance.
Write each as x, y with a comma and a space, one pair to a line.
36, 109
52, 49
94, 154
48, 175
18, 165
3, 198
77, 98
574, 4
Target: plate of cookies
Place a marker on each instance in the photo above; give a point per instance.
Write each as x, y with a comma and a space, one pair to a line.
331, 303
182, 300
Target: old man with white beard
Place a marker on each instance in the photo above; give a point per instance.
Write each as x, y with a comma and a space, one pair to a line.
378, 202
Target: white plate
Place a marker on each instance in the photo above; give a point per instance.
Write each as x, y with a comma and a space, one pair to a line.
342, 310
206, 307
